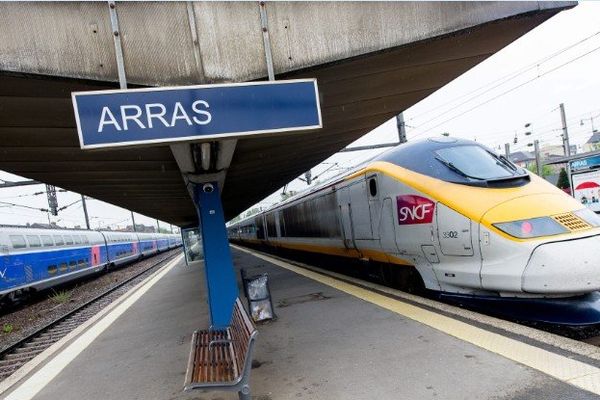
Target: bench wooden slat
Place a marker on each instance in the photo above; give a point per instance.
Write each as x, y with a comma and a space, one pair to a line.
223, 364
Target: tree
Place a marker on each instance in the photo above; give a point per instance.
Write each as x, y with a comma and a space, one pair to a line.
563, 180
252, 212
546, 169
236, 219
288, 194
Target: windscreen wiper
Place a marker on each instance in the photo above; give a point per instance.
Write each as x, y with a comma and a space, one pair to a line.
503, 161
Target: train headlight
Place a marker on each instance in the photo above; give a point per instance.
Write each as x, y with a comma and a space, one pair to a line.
530, 228
588, 216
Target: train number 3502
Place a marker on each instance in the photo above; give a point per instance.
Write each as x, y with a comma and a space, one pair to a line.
450, 234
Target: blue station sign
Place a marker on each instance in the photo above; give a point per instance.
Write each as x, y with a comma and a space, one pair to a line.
585, 163
113, 118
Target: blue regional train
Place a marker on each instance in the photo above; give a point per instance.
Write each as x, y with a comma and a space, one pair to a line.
36, 259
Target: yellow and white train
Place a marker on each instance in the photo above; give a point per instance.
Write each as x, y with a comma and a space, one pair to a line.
476, 228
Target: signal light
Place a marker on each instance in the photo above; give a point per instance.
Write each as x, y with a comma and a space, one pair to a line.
531, 228
526, 228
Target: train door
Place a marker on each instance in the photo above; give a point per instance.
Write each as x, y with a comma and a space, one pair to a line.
374, 205
271, 225
278, 229
4, 252
268, 233
387, 229
260, 227
345, 209
360, 215
460, 264
454, 232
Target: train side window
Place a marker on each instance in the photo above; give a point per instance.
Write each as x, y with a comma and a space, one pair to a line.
81, 263
59, 240
373, 187
76, 239
68, 239
63, 267
52, 269
47, 240
72, 264
34, 241
86, 240
18, 241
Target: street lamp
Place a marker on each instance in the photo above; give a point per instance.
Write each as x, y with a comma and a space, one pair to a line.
536, 146
591, 119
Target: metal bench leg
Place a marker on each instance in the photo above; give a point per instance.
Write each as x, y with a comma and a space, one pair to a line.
244, 393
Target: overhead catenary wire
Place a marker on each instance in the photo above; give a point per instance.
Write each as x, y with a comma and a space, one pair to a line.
31, 194
511, 90
508, 77
507, 91
537, 133
23, 206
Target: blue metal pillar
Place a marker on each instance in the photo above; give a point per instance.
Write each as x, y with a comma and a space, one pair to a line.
220, 277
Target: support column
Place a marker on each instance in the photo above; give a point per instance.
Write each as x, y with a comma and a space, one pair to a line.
220, 277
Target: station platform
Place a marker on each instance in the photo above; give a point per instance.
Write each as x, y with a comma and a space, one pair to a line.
331, 340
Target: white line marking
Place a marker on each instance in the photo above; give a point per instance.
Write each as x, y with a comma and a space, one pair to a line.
46, 354
32, 386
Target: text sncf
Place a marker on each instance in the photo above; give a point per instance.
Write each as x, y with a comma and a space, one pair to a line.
414, 209
153, 115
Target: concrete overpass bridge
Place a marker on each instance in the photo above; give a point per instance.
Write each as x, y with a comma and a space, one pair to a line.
371, 60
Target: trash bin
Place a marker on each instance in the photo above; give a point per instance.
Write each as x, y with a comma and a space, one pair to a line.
256, 289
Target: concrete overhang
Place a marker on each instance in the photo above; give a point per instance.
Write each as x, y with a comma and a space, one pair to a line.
371, 60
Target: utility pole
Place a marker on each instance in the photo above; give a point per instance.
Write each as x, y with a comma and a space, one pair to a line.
85, 213
538, 163
507, 151
401, 128
565, 135
401, 138
591, 119
133, 222
308, 177
52, 201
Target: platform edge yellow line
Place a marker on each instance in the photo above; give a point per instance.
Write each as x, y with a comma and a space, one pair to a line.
576, 373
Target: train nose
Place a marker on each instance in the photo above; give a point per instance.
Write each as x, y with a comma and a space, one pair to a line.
530, 206
570, 266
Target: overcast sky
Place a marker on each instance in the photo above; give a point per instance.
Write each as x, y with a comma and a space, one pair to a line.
493, 101
490, 103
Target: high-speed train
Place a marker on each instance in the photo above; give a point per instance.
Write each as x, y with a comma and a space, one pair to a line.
453, 216
36, 259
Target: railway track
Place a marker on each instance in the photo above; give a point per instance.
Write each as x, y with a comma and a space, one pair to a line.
18, 354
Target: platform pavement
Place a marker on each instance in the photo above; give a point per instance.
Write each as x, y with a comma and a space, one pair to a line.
325, 344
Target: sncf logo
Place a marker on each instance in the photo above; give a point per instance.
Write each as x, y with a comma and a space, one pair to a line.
414, 209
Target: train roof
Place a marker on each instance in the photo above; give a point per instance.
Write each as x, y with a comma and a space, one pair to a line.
67, 231
416, 156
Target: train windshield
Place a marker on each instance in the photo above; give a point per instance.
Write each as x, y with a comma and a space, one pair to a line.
458, 161
475, 162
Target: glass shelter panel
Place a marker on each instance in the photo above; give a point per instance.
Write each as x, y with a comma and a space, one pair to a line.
192, 244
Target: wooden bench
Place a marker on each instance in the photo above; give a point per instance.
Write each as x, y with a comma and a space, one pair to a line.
222, 359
